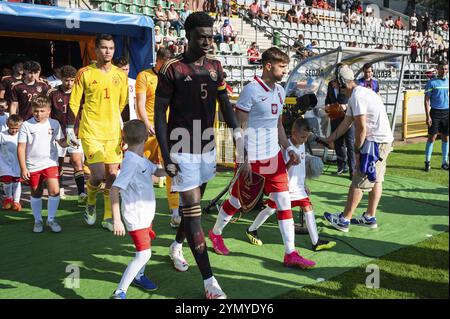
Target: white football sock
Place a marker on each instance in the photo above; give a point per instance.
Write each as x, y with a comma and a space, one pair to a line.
52, 207
17, 191
176, 245
134, 268
222, 220
175, 212
36, 207
210, 281
261, 218
310, 220
287, 230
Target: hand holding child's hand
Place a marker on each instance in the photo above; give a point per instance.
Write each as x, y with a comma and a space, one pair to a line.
119, 229
25, 174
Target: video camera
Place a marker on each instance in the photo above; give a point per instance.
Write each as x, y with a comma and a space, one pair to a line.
303, 104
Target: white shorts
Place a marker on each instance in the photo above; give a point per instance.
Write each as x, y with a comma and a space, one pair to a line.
62, 151
195, 170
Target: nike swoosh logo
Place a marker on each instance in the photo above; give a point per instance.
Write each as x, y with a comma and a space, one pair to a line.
264, 99
144, 171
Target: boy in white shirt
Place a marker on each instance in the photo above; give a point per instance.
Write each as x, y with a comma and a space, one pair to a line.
298, 191
3, 115
38, 160
9, 164
138, 205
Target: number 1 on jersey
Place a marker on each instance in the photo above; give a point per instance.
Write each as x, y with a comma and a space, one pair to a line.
106, 94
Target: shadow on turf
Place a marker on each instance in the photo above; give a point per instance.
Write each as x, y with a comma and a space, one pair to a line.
43, 260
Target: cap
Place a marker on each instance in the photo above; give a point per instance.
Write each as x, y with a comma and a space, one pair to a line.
346, 73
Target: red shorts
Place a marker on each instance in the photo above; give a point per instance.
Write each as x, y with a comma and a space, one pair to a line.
142, 238
36, 178
9, 179
305, 202
274, 172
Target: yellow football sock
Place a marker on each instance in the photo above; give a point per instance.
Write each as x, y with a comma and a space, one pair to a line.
107, 211
172, 198
92, 193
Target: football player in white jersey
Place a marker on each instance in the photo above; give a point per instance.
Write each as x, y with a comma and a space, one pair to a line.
260, 106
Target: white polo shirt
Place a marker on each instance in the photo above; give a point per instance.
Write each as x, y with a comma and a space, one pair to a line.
40, 139
136, 190
9, 164
364, 101
297, 173
264, 107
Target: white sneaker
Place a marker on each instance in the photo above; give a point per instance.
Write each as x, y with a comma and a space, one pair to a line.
38, 226
213, 291
54, 226
175, 221
90, 216
176, 254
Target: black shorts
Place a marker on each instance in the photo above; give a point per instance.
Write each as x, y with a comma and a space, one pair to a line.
439, 122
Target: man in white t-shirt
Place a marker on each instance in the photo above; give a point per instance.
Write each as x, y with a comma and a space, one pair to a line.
260, 106
38, 160
372, 128
413, 22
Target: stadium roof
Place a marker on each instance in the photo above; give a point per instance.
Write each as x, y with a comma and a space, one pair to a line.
132, 32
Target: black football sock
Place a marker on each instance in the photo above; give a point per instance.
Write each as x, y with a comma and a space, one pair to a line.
196, 238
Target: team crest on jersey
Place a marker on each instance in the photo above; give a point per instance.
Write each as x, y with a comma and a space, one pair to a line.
60, 100
39, 89
274, 109
94, 82
115, 81
213, 75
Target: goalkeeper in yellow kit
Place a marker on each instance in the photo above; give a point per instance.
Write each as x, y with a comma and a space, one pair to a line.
105, 91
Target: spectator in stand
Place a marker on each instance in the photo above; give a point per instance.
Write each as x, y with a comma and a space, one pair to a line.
219, 10
368, 81
413, 22
303, 16
389, 23
266, 11
254, 56
312, 18
227, 8
414, 47
440, 55
426, 22
300, 48
174, 19
161, 19
399, 24
227, 31
253, 10
354, 17
184, 14
291, 15
171, 41
158, 38
312, 48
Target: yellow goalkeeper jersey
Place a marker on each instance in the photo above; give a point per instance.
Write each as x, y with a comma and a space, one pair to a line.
146, 82
105, 95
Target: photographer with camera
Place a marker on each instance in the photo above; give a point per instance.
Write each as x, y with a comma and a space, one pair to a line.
335, 106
